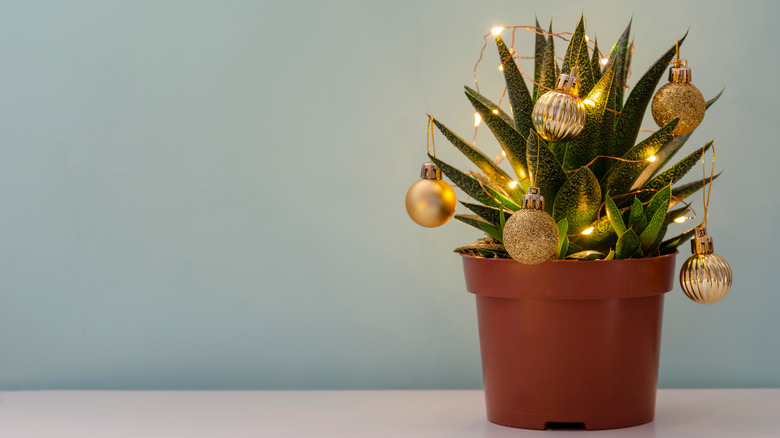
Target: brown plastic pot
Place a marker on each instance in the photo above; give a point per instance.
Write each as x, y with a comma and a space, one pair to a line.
570, 341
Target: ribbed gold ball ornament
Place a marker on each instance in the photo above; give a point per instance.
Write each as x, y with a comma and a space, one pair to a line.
530, 234
430, 201
705, 277
679, 98
559, 115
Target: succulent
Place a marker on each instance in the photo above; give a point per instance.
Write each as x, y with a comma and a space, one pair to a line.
624, 206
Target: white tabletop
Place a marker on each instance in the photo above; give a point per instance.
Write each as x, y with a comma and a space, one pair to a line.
707, 413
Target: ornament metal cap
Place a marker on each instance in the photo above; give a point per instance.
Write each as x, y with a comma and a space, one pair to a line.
568, 83
680, 73
430, 171
533, 199
701, 244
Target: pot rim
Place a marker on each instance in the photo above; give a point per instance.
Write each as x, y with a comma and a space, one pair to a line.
673, 254
570, 279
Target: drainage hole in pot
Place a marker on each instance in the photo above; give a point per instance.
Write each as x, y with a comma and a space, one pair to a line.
555, 425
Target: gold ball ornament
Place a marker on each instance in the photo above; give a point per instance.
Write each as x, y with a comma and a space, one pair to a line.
430, 202
530, 234
559, 115
679, 99
705, 277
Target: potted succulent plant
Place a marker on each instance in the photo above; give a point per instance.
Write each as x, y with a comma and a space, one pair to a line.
571, 277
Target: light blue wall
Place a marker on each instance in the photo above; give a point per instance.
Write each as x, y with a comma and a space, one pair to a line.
210, 194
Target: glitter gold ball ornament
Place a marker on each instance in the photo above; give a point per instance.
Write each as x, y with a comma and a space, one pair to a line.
559, 115
705, 277
430, 201
530, 234
679, 98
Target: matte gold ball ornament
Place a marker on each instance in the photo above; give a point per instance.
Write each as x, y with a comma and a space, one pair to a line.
679, 99
559, 115
705, 277
430, 202
530, 234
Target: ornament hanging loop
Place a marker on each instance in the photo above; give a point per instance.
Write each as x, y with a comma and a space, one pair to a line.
429, 136
677, 50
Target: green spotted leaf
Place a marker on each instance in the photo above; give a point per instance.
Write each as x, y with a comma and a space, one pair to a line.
628, 246
618, 56
656, 246
602, 236
489, 214
578, 200
545, 170
605, 141
654, 225
676, 213
683, 191
595, 62
584, 70
491, 231
659, 202
610, 256
620, 177
573, 247
636, 104
563, 240
670, 245
490, 253
614, 216
541, 46
471, 220
510, 140
654, 250
573, 50
549, 73
590, 142
637, 220
577, 56
519, 97
490, 104
482, 161
622, 86
559, 149
674, 173
471, 186
587, 255
488, 250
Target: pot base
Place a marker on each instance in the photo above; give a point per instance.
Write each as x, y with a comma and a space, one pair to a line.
587, 422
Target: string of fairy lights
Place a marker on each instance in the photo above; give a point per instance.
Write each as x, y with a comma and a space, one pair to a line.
559, 115
498, 30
